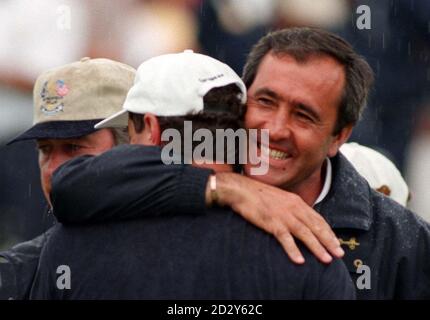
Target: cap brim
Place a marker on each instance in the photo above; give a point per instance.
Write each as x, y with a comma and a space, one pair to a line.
57, 130
117, 120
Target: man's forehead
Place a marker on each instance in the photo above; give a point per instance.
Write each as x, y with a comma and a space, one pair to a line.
65, 140
284, 74
99, 137
311, 61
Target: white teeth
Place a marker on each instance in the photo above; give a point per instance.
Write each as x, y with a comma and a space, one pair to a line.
278, 154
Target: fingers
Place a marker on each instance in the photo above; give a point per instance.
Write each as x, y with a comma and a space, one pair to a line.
286, 215
329, 240
289, 245
321, 232
273, 225
302, 232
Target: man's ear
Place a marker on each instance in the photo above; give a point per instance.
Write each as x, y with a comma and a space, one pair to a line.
339, 140
150, 135
151, 131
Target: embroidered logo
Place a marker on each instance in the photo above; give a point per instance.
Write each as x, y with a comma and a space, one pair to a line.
61, 88
351, 243
52, 95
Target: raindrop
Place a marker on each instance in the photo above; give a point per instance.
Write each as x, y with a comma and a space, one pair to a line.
383, 40
201, 10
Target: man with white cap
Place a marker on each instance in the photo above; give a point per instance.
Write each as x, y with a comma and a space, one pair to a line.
215, 255
68, 101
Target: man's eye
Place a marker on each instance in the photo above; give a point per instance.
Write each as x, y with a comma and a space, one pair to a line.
74, 147
43, 148
265, 102
304, 117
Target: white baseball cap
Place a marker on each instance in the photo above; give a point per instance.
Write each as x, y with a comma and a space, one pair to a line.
174, 85
381, 174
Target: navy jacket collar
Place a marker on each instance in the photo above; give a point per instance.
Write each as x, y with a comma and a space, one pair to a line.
348, 203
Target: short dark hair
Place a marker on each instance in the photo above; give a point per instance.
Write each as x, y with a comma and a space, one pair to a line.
302, 43
120, 136
222, 109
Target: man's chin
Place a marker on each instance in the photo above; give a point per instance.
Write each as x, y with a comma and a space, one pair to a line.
272, 177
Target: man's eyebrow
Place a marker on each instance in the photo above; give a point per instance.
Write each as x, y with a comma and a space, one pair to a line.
299, 104
75, 140
268, 92
307, 108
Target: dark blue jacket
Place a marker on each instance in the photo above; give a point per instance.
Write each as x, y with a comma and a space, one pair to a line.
18, 267
214, 255
211, 254
379, 233
392, 241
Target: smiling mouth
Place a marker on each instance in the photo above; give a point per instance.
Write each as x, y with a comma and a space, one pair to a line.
275, 154
279, 155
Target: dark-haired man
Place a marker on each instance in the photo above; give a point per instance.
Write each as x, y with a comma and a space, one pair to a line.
210, 255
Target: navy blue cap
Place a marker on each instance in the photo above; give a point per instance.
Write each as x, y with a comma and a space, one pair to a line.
58, 130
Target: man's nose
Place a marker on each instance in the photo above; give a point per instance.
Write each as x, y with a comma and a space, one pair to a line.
56, 159
280, 126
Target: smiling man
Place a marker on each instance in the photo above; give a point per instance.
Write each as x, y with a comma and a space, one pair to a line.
295, 101
308, 87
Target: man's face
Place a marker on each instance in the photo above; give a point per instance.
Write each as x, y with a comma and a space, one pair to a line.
298, 103
54, 152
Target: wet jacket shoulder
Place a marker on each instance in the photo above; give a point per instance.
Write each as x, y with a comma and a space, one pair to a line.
378, 233
113, 185
18, 267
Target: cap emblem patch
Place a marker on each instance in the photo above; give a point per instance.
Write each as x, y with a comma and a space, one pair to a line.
52, 95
